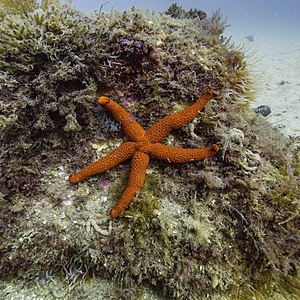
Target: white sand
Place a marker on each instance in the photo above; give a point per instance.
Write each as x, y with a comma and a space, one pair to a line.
280, 63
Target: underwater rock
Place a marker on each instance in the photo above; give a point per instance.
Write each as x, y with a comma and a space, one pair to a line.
220, 228
264, 110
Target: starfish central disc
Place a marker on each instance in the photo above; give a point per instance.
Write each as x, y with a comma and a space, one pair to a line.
144, 145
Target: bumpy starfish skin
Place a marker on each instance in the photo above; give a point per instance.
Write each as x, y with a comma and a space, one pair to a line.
178, 155
124, 152
131, 128
143, 146
161, 129
136, 180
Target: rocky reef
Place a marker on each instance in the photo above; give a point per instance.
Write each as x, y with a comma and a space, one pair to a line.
223, 228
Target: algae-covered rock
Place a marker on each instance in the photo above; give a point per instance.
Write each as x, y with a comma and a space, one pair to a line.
223, 228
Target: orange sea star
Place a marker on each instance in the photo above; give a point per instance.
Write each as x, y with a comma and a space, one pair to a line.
143, 146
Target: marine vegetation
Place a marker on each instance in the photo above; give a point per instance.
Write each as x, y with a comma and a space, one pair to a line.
24, 6
226, 227
176, 11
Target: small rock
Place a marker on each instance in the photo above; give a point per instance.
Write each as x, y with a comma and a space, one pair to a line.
264, 110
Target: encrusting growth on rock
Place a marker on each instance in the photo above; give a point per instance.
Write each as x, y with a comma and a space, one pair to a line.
226, 227
143, 146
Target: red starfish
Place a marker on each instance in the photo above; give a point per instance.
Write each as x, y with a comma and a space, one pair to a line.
143, 146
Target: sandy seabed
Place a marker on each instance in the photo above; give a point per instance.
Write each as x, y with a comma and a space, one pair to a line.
279, 61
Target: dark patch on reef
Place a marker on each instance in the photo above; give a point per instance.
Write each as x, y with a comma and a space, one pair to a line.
178, 12
227, 226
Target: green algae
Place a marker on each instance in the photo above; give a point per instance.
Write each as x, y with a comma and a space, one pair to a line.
223, 228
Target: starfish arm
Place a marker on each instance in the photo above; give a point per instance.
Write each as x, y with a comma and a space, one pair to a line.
131, 127
179, 155
136, 180
160, 130
122, 153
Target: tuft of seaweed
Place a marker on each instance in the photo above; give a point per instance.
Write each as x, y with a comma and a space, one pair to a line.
178, 12
24, 6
